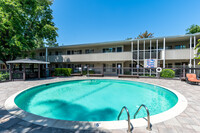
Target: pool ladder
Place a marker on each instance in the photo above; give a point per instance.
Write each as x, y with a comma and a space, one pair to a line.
129, 122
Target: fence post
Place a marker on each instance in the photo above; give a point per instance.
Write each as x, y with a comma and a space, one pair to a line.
24, 71
184, 70
10, 71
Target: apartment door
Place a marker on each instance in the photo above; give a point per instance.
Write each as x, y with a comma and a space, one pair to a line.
119, 68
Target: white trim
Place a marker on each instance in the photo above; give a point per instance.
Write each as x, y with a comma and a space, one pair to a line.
138, 52
144, 58
164, 52
157, 49
132, 58
190, 53
150, 55
194, 53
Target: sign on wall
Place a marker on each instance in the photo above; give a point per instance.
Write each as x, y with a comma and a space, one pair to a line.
150, 63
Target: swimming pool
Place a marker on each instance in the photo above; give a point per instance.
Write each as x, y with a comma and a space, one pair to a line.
94, 99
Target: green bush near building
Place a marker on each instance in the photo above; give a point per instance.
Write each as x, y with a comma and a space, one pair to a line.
4, 76
63, 71
167, 73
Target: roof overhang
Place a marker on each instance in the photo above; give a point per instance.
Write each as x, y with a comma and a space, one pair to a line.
27, 61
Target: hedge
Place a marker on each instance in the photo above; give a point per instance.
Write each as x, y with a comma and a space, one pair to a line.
4, 76
167, 73
63, 71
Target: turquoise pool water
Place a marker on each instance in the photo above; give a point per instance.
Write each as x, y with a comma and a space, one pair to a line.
95, 99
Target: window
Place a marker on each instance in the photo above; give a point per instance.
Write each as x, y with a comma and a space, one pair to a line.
68, 52
169, 65
69, 66
119, 49
42, 53
58, 53
49, 53
180, 46
108, 50
76, 51
168, 47
114, 67
177, 64
87, 51
151, 47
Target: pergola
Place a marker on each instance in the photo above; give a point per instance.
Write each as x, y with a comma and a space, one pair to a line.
24, 62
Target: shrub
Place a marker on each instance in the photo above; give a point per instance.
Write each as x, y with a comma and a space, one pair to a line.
167, 73
63, 71
4, 76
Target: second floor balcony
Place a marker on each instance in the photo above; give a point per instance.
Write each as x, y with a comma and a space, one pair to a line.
95, 57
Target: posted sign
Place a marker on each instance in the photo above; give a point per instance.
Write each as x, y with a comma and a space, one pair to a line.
150, 63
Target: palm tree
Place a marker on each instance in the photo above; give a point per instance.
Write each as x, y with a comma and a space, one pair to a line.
145, 35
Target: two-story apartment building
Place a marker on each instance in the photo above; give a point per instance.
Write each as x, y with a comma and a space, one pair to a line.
170, 52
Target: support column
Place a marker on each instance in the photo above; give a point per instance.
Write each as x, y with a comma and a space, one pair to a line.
24, 71
46, 57
157, 49
164, 53
38, 71
190, 65
11, 71
150, 56
46, 70
144, 57
131, 58
138, 56
195, 53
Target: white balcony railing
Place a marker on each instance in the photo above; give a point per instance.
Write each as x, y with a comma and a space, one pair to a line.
173, 54
95, 57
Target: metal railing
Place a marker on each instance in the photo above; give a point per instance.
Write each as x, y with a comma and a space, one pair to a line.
148, 116
129, 121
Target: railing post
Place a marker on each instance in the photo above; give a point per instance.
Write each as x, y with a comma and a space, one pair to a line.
10, 71
24, 72
184, 70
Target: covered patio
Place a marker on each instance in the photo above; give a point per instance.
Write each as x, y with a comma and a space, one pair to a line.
23, 69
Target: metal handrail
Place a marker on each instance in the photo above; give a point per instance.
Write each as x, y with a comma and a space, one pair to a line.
129, 122
148, 116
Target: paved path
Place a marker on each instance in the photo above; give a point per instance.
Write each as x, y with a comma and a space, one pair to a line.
186, 122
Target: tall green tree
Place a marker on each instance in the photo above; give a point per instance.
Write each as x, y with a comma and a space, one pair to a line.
146, 34
24, 26
193, 29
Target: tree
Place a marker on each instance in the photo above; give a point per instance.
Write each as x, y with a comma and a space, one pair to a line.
193, 29
145, 35
24, 26
198, 51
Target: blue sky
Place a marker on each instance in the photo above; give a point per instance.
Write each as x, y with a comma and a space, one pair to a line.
87, 21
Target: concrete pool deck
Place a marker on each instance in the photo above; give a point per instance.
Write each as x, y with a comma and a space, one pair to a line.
187, 121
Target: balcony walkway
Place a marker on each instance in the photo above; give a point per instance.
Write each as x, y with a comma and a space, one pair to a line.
186, 122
